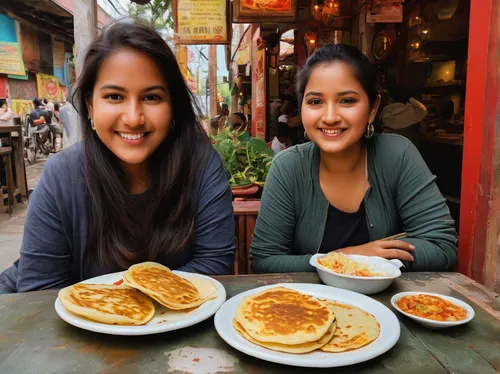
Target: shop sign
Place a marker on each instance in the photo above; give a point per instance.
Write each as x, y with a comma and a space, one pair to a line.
22, 107
11, 59
256, 11
201, 22
48, 87
385, 11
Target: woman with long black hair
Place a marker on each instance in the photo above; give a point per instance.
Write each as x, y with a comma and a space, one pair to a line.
145, 183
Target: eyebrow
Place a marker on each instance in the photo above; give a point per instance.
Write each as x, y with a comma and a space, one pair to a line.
156, 87
312, 93
147, 89
113, 87
348, 92
343, 93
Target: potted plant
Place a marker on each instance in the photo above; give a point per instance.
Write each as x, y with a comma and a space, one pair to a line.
247, 160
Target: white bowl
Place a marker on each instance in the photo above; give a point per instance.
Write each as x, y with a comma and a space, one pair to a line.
429, 322
364, 285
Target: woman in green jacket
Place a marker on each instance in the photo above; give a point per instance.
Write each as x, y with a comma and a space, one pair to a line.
349, 188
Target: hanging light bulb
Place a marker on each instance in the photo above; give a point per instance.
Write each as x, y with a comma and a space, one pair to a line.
326, 11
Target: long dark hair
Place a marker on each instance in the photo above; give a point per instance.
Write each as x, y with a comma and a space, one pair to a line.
115, 237
348, 54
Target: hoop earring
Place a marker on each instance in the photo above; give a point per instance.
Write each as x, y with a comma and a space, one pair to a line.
92, 124
172, 125
370, 130
305, 135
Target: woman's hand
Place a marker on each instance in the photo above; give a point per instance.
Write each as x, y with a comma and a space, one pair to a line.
382, 248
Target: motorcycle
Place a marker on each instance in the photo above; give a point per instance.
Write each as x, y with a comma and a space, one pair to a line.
37, 139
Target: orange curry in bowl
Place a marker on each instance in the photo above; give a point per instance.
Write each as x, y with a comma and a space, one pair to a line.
431, 307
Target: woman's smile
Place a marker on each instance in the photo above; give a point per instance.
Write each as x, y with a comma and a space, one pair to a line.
131, 116
336, 110
133, 138
333, 133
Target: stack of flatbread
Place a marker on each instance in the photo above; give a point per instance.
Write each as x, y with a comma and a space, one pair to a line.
288, 321
131, 303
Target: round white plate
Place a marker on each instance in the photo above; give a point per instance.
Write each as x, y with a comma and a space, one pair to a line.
389, 329
164, 319
429, 322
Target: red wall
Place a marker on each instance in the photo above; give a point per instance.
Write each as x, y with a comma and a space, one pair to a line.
3, 86
479, 247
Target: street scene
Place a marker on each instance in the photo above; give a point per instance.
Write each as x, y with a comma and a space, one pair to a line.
249, 186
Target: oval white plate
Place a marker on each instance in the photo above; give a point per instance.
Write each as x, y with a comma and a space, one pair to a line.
167, 321
389, 329
429, 322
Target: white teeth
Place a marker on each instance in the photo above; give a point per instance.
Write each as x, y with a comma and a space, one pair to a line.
129, 136
332, 131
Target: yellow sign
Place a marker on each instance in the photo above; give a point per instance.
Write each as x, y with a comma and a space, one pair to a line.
181, 54
201, 22
11, 59
22, 107
48, 87
243, 56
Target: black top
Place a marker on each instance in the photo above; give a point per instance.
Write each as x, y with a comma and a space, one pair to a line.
38, 112
344, 229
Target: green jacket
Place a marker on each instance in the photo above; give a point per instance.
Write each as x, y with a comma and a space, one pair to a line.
403, 197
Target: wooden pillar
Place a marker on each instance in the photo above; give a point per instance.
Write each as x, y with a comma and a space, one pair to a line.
212, 79
258, 87
479, 242
85, 24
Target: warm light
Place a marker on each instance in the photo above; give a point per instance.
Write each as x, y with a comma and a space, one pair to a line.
447, 72
327, 11
312, 41
425, 32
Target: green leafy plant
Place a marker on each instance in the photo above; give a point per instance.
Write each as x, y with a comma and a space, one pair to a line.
247, 160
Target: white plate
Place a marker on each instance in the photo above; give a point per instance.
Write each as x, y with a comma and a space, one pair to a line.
429, 322
389, 329
167, 321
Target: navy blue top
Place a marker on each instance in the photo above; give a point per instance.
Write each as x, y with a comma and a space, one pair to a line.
55, 232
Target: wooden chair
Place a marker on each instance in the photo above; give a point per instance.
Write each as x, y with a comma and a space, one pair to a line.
245, 214
6, 154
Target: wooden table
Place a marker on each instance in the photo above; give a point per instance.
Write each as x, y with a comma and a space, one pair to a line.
33, 339
245, 215
18, 155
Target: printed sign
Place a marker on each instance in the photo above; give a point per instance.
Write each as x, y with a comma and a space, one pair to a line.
201, 22
48, 87
385, 11
264, 10
11, 59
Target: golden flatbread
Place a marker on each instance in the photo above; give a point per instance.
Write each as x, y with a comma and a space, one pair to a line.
355, 329
294, 348
161, 284
114, 305
284, 316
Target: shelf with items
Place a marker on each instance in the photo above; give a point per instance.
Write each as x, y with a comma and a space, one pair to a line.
452, 83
